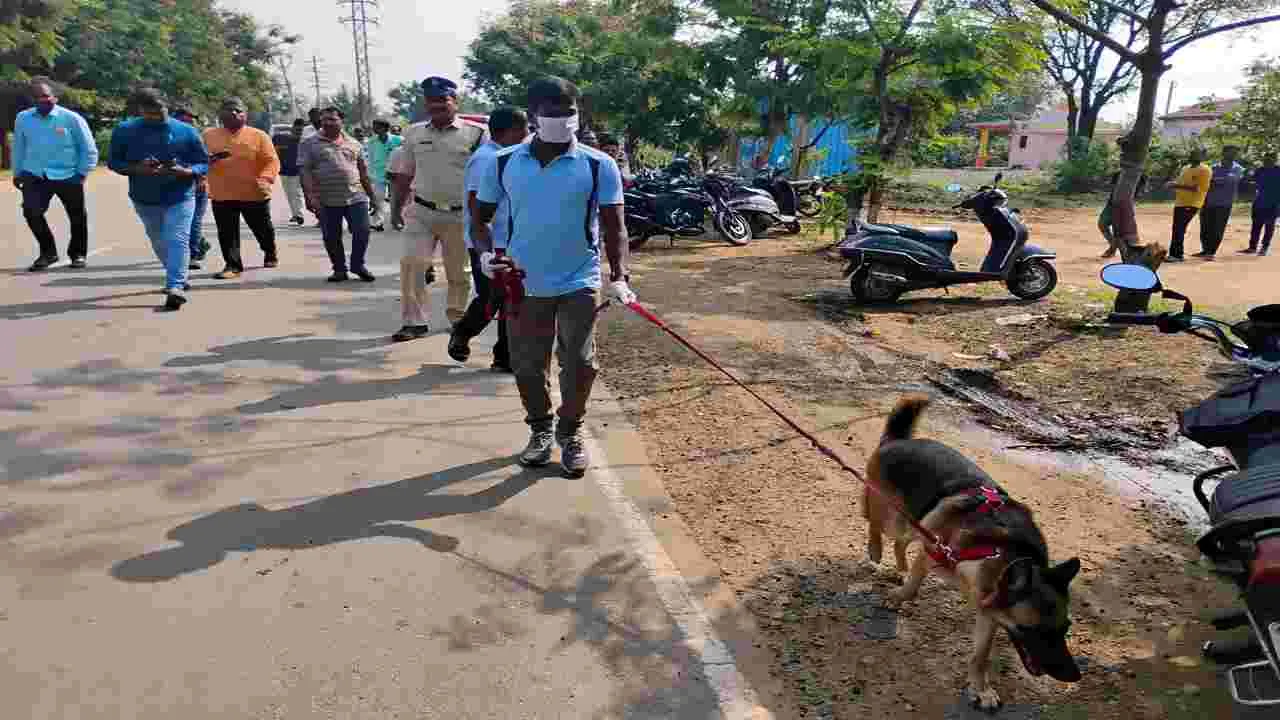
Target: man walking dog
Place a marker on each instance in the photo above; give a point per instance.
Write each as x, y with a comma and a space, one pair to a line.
559, 194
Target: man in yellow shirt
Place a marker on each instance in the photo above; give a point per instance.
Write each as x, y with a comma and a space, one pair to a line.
243, 166
1190, 190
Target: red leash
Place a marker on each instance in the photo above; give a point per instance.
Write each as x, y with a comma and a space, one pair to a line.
941, 551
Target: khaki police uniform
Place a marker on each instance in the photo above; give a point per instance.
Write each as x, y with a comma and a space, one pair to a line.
437, 159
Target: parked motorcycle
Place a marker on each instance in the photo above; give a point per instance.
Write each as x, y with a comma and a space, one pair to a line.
765, 207
886, 260
1243, 543
678, 207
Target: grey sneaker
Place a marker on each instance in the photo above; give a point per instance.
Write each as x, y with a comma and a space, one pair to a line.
538, 451
573, 454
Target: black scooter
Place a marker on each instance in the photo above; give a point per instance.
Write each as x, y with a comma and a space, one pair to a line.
1243, 543
888, 260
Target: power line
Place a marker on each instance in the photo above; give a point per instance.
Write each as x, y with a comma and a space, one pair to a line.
360, 19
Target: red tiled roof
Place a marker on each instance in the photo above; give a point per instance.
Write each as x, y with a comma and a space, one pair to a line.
1215, 109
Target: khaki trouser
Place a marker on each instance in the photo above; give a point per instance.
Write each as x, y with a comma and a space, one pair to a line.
424, 231
377, 203
568, 323
293, 192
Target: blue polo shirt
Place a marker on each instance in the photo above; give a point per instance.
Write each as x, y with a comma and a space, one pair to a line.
554, 220
57, 146
477, 165
136, 140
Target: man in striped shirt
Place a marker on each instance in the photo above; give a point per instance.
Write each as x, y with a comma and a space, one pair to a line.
336, 180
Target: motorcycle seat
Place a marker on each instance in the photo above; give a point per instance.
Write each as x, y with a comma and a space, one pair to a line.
1245, 489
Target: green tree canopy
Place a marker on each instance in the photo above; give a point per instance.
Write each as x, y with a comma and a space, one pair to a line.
1253, 123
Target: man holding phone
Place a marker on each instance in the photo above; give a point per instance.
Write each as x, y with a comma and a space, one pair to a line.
163, 158
242, 174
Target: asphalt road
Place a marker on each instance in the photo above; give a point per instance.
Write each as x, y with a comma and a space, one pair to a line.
258, 507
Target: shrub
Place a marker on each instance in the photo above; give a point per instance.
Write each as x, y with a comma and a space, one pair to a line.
945, 151
103, 140
1088, 169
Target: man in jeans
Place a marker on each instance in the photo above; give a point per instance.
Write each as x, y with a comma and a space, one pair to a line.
559, 194
337, 184
1217, 203
53, 153
199, 245
290, 177
507, 126
1189, 191
1266, 205
242, 173
162, 158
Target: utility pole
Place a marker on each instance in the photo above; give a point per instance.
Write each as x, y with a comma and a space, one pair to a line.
1168, 99
315, 78
286, 63
360, 19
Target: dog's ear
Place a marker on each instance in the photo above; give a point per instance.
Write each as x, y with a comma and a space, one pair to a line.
1061, 575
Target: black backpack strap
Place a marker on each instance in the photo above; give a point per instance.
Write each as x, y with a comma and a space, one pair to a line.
511, 217
592, 201
476, 144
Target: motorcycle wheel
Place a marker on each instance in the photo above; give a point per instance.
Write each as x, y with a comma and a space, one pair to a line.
869, 290
793, 228
809, 206
733, 228
759, 226
1033, 279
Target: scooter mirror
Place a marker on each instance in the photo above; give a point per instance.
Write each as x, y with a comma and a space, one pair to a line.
1138, 278
953, 188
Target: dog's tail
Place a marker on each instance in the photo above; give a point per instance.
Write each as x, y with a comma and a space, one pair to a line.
902, 421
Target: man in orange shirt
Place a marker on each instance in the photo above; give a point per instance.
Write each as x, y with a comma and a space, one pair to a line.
242, 172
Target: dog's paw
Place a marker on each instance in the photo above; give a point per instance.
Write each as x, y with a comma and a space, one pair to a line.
985, 699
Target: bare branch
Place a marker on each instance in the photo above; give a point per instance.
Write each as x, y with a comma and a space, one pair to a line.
1085, 29
1135, 17
907, 22
1212, 31
871, 24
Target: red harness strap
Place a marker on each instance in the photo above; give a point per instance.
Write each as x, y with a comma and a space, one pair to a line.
507, 292
992, 502
936, 546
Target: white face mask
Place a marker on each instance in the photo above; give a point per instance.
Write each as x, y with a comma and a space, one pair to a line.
557, 129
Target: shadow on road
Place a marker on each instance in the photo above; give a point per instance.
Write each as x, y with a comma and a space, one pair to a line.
332, 389
380, 511
302, 349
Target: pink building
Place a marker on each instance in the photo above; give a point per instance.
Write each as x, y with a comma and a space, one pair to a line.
1037, 143
1192, 120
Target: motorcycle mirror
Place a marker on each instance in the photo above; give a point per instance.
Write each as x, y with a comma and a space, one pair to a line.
999, 177
953, 188
1138, 278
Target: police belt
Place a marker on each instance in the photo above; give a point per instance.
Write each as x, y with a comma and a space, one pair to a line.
432, 206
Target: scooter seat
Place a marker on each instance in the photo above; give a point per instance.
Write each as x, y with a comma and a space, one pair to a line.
943, 237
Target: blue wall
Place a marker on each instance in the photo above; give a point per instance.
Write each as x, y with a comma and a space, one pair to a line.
840, 154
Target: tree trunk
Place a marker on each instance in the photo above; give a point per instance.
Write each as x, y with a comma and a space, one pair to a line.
799, 143
1133, 158
1088, 122
1073, 123
631, 144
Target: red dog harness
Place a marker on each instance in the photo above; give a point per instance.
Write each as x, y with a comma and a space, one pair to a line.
944, 556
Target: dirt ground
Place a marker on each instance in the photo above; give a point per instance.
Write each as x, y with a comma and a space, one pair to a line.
783, 522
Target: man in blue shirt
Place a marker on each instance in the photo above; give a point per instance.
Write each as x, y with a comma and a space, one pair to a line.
53, 153
507, 126
1266, 205
559, 194
163, 159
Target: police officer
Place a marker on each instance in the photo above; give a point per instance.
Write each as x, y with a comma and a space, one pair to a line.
430, 186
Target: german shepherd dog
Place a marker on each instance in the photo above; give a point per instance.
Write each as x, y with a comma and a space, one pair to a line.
1002, 559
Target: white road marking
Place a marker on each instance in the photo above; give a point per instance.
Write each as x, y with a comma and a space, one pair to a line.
736, 698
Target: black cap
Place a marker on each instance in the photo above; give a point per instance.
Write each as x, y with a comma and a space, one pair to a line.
436, 86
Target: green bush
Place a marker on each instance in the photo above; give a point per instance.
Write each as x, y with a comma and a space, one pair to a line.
1089, 168
945, 151
1166, 160
103, 139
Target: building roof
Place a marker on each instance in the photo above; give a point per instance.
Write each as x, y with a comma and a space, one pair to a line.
1210, 110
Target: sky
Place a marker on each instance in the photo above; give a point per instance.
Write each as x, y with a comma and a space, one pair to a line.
418, 38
